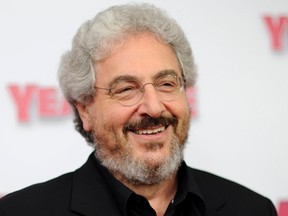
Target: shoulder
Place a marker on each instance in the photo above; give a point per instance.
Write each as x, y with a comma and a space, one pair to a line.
53, 187
55, 192
219, 192
208, 181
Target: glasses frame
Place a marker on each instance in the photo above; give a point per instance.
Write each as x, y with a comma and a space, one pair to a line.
181, 81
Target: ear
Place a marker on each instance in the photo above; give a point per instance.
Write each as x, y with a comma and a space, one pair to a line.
84, 115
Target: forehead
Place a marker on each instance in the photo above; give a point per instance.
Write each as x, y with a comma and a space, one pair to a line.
141, 56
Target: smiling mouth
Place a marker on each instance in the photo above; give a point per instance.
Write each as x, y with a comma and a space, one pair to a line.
150, 126
150, 131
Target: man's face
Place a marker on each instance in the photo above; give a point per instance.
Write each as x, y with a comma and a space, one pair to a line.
142, 143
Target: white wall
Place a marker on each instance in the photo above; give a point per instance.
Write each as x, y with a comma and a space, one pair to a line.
241, 127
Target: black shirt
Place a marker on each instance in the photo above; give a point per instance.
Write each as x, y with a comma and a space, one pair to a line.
187, 201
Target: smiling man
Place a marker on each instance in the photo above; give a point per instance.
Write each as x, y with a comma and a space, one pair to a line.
141, 134
126, 78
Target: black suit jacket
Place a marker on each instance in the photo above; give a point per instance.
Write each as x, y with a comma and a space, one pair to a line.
84, 192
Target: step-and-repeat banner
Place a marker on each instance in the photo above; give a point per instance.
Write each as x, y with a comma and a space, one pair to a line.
240, 102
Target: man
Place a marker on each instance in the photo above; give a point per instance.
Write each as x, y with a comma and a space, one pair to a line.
126, 77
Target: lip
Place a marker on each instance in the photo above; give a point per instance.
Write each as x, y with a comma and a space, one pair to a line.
150, 131
160, 136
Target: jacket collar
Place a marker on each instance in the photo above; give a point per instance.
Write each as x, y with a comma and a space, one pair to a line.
211, 194
89, 192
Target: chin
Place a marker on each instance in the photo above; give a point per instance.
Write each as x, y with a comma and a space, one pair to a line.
148, 167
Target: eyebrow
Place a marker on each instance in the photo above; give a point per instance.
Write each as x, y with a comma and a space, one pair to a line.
165, 72
121, 78
134, 78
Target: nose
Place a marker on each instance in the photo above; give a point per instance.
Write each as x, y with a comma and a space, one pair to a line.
151, 104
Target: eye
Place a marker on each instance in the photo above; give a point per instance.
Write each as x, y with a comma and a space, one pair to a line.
167, 84
123, 89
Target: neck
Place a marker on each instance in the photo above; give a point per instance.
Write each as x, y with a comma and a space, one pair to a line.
158, 195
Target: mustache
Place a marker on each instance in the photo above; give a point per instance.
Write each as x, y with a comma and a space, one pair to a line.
148, 122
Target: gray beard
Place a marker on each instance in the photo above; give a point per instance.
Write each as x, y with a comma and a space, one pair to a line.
140, 172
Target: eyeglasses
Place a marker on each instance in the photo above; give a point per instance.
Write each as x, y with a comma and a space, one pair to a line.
129, 91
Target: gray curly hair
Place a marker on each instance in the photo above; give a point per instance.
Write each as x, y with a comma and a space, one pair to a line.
96, 39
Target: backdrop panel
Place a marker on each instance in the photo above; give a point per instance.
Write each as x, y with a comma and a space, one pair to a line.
240, 103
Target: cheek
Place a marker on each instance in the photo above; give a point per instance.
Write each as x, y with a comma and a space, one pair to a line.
111, 118
118, 115
183, 128
182, 112
179, 108
104, 133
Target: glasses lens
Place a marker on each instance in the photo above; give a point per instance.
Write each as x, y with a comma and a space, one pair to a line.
127, 92
168, 87
130, 92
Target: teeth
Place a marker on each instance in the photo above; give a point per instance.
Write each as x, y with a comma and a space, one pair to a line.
151, 131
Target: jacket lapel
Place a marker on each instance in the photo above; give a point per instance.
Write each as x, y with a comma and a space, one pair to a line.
90, 193
212, 196
215, 204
